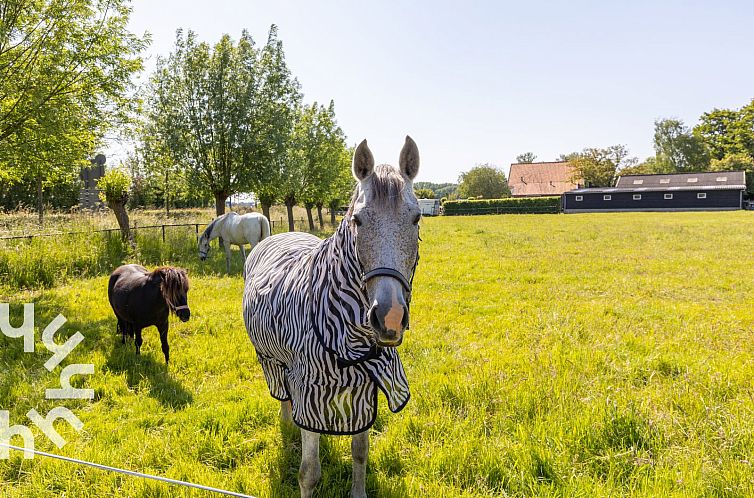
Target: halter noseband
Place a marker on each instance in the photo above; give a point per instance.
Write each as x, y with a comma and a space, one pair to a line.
387, 272
181, 307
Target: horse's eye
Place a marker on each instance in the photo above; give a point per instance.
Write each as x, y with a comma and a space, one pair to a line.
356, 220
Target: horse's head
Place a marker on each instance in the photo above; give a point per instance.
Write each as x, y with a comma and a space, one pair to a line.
384, 217
203, 246
174, 286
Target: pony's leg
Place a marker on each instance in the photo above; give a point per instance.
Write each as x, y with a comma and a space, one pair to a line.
164, 341
139, 341
120, 328
310, 471
359, 454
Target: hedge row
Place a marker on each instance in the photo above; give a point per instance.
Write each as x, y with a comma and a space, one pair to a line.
503, 206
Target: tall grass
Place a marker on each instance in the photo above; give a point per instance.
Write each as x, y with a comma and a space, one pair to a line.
550, 355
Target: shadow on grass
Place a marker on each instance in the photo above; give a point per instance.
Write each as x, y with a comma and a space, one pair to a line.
145, 369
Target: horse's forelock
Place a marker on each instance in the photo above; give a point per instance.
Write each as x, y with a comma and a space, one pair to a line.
384, 186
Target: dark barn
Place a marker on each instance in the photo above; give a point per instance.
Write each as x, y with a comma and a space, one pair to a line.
708, 191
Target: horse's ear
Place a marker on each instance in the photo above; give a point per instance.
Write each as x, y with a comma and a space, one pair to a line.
409, 159
363, 161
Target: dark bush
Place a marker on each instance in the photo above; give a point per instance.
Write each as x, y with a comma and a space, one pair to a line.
503, 206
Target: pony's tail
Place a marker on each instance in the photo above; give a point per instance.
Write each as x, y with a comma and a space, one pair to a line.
265, 229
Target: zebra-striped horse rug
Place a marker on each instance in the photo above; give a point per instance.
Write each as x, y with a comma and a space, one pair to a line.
305, 312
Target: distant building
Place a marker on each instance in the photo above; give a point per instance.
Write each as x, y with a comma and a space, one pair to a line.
540, 179
707, 191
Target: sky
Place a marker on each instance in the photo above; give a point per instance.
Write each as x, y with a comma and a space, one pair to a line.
481, 82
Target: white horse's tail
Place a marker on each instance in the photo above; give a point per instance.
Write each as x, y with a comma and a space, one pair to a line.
265, 228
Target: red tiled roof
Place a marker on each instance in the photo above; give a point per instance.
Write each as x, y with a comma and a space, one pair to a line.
540, 179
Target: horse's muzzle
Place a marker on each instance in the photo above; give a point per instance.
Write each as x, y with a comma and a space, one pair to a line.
388, 324
183, 312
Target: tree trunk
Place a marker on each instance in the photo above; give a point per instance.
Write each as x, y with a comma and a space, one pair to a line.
167, 194
40, 200
332, 216
220, 198
266, 210
291, 224
319, 214
309, 215
220, 210
119, 208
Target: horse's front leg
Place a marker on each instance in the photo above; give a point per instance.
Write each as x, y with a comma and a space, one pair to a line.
310, 471
227, 256
163, 329
359, 454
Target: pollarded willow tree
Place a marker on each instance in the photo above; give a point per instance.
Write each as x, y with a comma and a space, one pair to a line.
65, 79
223, 113
317, 147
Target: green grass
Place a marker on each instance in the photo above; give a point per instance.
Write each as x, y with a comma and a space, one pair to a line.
550, 355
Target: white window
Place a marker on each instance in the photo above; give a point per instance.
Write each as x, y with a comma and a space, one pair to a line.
692, 180
721, 179
579, 198
668, 196
701, 195
607, 197
637, 197
664, 180
638, 182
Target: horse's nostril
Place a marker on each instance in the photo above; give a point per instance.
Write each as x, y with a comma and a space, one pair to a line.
374, 320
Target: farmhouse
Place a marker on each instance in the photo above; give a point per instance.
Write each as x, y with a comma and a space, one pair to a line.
540, 179
710, 191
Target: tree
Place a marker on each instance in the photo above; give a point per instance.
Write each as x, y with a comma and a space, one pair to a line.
727, 132
114, 188
484, 181
343, 185
279, 99
677, 149
65, 79
224, 113
317, 144
597, 167
526, 157
424, 193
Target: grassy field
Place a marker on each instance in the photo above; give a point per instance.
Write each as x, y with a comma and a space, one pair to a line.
550, 355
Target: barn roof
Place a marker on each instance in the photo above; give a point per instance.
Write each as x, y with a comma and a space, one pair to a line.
540, 179
714, 179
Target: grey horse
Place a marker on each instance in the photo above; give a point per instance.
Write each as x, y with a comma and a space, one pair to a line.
326, 316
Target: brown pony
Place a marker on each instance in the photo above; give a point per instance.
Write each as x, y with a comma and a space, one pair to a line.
141, 299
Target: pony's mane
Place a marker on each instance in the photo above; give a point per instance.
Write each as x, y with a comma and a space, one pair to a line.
173, 282
385, 185
208, 231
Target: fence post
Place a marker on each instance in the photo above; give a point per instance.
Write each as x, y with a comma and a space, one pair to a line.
163, 233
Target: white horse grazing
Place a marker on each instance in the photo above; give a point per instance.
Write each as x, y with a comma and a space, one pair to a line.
235, 229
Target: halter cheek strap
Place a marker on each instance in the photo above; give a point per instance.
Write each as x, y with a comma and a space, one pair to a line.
181, 307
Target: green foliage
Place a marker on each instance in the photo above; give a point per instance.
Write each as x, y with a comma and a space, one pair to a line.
499, 206
526, 157
424, 193
595, 167
223, 113
737, 162
65, 78
678, 150
728, 132
484, 181
449, 190
114, 186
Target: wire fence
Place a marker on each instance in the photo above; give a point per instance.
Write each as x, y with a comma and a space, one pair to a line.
275, 226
